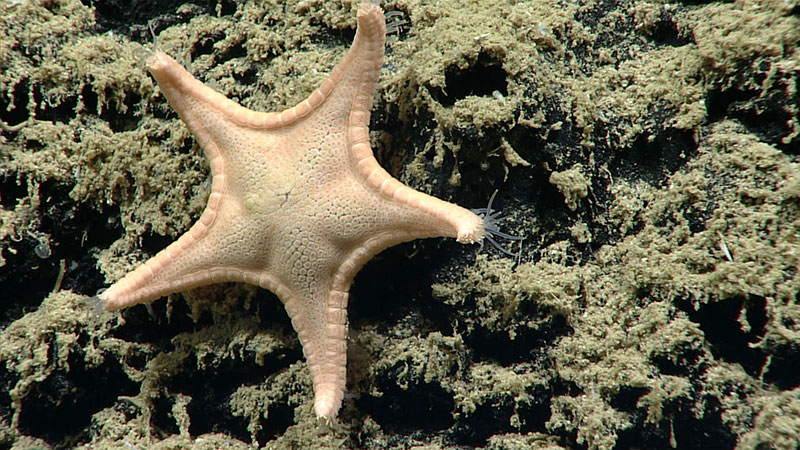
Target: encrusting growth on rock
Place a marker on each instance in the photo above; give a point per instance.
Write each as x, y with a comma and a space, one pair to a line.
298, 204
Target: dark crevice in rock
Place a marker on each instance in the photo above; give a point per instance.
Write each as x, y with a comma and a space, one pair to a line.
59, 409
719, 321
481, 79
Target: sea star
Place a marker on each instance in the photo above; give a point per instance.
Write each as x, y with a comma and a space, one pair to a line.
298, 204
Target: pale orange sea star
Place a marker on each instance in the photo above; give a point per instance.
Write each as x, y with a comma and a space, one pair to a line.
298, 204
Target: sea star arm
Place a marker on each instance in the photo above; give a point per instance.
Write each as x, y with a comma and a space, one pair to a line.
189, 262
324, 336
450, 220
324, 340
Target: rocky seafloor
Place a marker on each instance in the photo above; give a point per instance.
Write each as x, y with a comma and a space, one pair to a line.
648, 153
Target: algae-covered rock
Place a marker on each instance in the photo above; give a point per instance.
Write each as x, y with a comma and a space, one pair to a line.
647, 152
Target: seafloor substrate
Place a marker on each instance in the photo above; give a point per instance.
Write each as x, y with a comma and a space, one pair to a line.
648, 153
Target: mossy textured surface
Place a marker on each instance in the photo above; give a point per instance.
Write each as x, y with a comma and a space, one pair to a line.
648, 152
